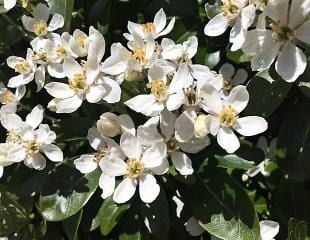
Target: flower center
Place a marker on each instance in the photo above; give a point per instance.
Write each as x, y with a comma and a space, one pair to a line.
31, 147
40, 56
100, 154
40, 28
25, 3
229, 9
191, 97
81, 41
61, 52
134, 167
171, 145
228, 116
184, 59
227, 84
78, 82
139, 55
12, 137
159, 89
22, 67
281, 33
7, 97
148, 27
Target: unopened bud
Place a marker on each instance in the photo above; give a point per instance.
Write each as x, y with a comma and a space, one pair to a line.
109, 125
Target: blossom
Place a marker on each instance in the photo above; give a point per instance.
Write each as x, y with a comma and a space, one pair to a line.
289, 25
225, 117
238, 13
10, 100
153, 29
38, 24
6, 5
138, 169
268, 229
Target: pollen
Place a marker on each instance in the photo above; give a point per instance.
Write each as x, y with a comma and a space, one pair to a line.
31, 147
159, 89
228, 116
7, 97
139, 55
40, 28
184, 59
134, 168
81, 41
191, 98
40, 56
101, 154
78, 82
172, 145
148, 27
227, 84
12, 137
61, 52
229, 9
22, 67
281, 33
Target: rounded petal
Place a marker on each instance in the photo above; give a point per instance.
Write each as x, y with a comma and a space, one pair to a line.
303, 32
125, 190
153, 156
95, 139
238, 98
148, 188
95, 93
71, 67
41, 12
35, 117
175, 101
28, 23
52, 152
227, 70
228, 140
251, 125
56, 22
131, 145
68, 105
268, 229
11, 121
86, 163
107, 184
145, 104
160, 20
181, 79
240, 77
216, 26
212, 98
184, 125
299, 10
148, 135
195, 145
113, 166
291, 62
59, 90
182, 163
167, 122
36, 161
127, 124
112, 90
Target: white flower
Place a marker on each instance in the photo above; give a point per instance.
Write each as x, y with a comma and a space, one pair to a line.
10, 100
6, 5
233, 12
270, 152
268, 230
130, 63
38, 24
138, 169
289, 25
10, 153
84, 83
225, 117
230, 78
26, 68
153, 29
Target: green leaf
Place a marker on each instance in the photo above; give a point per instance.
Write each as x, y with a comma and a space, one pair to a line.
222, 207
109, 215
298, 230
238, 56
157, 216
234, 162
66, 193
13, 216
266, 94
71, 225
63, 7
294, 139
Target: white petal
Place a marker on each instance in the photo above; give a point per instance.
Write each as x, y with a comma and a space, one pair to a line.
1, 171
144, 104
95, 139
167, 121
45, 135
20, 80
240, 77
268, 229
251, 125
162, 168
228, 140
56, 70
107, 184
35, 117
160, 20
195, 145
127, 124
9, 4
125, 190
237, 35
11, 121
182, 163
153, 156
36, 161
41, 12
112, 90
277, 10
264, 58
257, 40
168, 29
28, 23
216, 26
299, 10
227, 70
180, 79
303, 32
184, 125
190, 46
131, 145
113, 166
96, 47
247, 16
52, 152
68, 105
56, 22
72, 67
148, 188
212, 100
238, 98
175, 101
291, 62
39, 77
85, 163
95, 93
148, 135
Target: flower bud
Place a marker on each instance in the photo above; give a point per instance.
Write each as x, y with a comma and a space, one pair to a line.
109, 125
201, 126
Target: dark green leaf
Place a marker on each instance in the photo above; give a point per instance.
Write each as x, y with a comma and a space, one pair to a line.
66, 193
233, 161
298, 230
71, 225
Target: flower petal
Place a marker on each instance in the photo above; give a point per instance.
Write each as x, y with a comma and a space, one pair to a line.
56, 22
148, 135
59, 90
68, 105
113, 166
184, 125
212, 98
251, 125
216, 26
148, 188
303, 32
228, 140
85, 163
35, 117
268, 229
131, 145
182, 163
125, 190
153, 156
107, 184
52, 152
238, 98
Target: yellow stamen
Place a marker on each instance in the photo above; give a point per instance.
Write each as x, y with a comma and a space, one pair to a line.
228, 116
7, 97
40, 28
134, 168
159, 89
148, 27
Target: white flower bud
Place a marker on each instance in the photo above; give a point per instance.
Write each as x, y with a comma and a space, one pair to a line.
201, 126
109, 125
